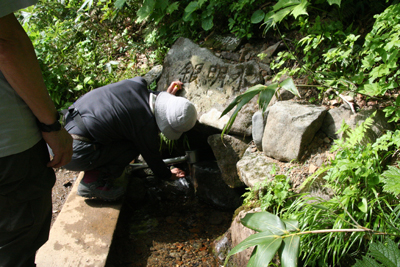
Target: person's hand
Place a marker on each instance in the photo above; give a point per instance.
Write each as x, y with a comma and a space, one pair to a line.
61, 144
177, 173
174, 87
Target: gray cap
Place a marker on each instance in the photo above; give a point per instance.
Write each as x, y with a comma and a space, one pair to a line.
174, 115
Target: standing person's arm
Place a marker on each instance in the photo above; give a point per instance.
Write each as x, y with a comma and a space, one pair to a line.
19, 65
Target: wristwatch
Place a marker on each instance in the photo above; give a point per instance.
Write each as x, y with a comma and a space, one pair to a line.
56, 126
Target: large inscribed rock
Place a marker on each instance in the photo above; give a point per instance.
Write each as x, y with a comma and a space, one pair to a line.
210, 83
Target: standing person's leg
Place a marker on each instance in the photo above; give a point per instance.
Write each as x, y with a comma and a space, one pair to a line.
25, 205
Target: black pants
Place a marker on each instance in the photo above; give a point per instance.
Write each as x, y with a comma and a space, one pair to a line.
110, 159
25, 205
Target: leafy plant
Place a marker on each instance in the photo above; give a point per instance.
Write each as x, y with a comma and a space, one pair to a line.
381, 53
270, 195
265, 95
393, 112
391, 179
274, 234
356, 176
381, 254
282, 236
282, 9
78, 48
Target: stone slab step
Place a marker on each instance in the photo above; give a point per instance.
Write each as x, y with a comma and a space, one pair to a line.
82, 233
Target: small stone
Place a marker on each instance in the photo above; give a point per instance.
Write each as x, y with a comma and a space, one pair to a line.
327, 140
312, 168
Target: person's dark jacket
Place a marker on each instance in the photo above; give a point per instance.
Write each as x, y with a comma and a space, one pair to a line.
121, 111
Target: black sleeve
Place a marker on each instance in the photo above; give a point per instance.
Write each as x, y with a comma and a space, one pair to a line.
149, 149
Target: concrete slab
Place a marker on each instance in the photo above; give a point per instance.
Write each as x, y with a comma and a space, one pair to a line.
82, 233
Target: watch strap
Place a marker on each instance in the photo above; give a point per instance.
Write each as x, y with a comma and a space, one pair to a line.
56, 126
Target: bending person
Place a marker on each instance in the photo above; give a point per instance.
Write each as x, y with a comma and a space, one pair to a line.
114, 124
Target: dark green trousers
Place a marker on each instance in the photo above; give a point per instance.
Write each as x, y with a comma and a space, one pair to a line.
25, 205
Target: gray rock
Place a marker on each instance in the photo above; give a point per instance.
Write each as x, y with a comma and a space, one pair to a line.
239, 232
153, 75
227, 153
333, 121
269, 52
254, 168
335, 118
290, 128
257, 127
210, 83
212, 189
219, 42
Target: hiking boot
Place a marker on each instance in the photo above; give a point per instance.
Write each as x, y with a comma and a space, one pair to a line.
95, 185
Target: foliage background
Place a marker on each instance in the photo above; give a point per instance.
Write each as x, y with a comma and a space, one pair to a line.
348, 46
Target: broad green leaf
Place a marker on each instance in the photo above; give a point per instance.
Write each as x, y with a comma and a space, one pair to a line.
285, 3
366, 262
265, 237
264, 253
388, 254
264, 221
289, 251
337, 2
266, 95
363, 205
289, 85
257, 16
398, 101
392, 180
119, 3
172, 7
78, 87
280, 15
191, 7
300, 9
372, 89
201, 2
145, 11
239, 102
248, 95
86, 80
207, 23
291, 225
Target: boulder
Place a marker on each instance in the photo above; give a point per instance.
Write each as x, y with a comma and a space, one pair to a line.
211, 83
254, 168
153, 75
228, 152
290, 128
211, 188
258, 125
335, 118
223, 42
239, 232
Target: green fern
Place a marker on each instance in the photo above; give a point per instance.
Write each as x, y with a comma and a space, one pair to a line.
381, 255
391, 178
